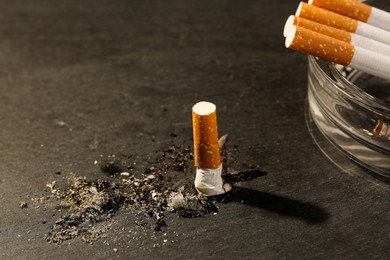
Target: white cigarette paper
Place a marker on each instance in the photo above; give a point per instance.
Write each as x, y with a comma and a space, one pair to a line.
354, 39
356, 10
370, 44
371, 63
342, 22
379, 18
209, 181
372, 32
337, 51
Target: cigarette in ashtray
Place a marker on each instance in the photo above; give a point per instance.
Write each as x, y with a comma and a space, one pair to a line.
337, 51
356, 10
354, 39
342, 22
382, 130
208, 180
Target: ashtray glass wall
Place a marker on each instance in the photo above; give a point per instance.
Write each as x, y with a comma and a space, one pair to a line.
352, 110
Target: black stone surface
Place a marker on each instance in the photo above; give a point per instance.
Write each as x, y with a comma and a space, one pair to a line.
79, 79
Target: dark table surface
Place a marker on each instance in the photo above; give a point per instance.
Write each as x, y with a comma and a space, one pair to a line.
81, 79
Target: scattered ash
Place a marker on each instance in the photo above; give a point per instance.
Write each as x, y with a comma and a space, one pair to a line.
189, 205
165, 184
162, 185
88, 203
23, 204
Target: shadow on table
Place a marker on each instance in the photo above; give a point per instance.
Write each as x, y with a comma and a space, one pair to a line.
309, 212
288, 207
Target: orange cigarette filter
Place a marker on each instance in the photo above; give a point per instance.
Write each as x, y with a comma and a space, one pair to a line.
205, 131
323, 29
326, 17
320, 45
350, 8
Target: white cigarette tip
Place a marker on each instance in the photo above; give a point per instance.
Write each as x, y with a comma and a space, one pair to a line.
310, 2
298, 11
290, 36
204, 108
287, 26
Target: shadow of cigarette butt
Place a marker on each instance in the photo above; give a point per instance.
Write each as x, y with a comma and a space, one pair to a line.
284, 206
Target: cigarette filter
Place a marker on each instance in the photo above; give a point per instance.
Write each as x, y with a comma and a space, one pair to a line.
342, 22
354, 39
356, 10
208, 180
317, 27
337, 51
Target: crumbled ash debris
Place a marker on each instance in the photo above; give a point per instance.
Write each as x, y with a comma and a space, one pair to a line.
88, 203
190, 205
23, 204
163, 184
174, 158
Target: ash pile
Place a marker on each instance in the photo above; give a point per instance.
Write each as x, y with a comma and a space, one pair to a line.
165, 185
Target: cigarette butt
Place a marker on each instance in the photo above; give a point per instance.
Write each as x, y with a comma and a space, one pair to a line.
354, 39
208, 180
382, 130
342, 22
378, 128
206, 147
356, 10
337, 51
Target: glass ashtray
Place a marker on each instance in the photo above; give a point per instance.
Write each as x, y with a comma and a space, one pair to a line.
348, 115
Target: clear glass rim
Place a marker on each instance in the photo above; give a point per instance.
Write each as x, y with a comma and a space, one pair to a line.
351, 91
